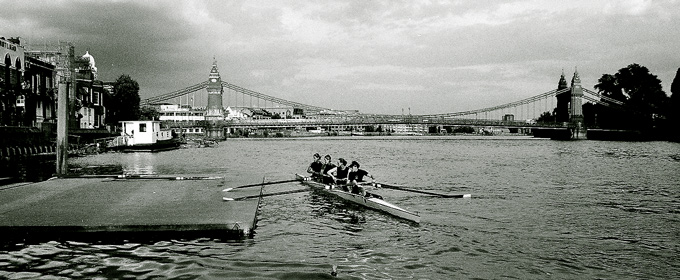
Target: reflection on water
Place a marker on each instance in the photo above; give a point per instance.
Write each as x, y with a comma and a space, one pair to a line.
540, 209
139, 163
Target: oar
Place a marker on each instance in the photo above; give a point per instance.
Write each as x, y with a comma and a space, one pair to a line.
388, 186
263, 195
261, 184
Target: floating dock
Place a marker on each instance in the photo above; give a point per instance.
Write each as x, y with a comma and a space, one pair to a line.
103, 208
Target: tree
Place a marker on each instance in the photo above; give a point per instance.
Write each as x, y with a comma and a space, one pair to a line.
640, 91
644, 89
609, 86
124, 102
546, 117
674, 107
149, 113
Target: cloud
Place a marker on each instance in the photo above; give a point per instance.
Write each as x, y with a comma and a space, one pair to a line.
431, 56
628, 7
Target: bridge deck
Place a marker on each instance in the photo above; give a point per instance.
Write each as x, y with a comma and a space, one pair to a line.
369, 120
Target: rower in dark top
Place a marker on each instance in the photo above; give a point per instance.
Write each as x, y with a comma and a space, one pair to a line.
356, 176
339, 173
316, 167
327, 166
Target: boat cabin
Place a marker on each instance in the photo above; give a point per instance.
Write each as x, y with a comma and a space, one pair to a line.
144, 132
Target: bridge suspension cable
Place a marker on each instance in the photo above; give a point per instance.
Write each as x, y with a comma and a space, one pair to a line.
526, 101
503, 106
174, 94
271, 98
608, 101
235, 88
607, 98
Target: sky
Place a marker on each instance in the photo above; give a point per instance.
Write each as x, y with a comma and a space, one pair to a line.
384, 57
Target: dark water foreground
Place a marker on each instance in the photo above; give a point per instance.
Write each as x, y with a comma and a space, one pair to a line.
540, 209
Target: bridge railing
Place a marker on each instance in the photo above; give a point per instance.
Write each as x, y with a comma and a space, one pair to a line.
368, 121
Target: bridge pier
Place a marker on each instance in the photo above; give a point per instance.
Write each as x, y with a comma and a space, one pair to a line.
215, 131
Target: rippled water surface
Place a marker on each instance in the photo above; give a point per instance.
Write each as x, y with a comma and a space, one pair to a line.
540, 209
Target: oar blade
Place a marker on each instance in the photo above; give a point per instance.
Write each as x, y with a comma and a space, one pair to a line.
467, 195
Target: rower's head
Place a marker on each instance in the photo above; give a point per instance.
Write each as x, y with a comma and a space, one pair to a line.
327, 158
355, 165
342, 162
317, 156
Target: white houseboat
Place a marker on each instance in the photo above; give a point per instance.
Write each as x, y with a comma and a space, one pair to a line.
145, 136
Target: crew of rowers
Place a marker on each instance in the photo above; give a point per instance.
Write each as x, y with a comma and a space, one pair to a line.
341, 175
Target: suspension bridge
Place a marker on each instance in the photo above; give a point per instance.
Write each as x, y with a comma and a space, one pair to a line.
210, 100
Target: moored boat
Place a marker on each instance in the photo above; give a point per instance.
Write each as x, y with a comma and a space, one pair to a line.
143, 136
370, 202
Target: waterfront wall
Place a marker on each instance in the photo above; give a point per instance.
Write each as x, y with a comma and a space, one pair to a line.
22, 136
27, 164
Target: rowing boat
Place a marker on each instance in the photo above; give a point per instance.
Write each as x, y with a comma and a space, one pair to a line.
369, 202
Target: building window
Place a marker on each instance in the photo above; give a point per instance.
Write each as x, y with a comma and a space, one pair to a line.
21, 101
142, 127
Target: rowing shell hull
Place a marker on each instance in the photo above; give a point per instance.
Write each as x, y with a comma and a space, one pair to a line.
371, 202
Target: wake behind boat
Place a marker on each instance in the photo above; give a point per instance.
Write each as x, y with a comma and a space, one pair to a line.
370, 202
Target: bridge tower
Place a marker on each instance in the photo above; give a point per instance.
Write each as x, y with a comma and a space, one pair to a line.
576, 108
569, 105
214, 110
563, 99
214, 113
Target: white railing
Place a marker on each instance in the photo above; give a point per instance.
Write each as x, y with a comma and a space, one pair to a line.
118, 141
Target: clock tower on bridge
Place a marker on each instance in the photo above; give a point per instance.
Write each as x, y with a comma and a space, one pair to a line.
214, 110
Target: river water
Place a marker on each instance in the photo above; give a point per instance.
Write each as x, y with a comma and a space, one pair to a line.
540, 209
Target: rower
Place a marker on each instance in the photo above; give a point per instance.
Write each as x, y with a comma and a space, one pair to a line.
327, 166
315, 167
357, 175
339, 174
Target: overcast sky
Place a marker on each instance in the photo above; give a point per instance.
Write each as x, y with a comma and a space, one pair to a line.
375, 56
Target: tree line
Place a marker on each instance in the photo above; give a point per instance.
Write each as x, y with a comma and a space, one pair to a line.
646, 106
